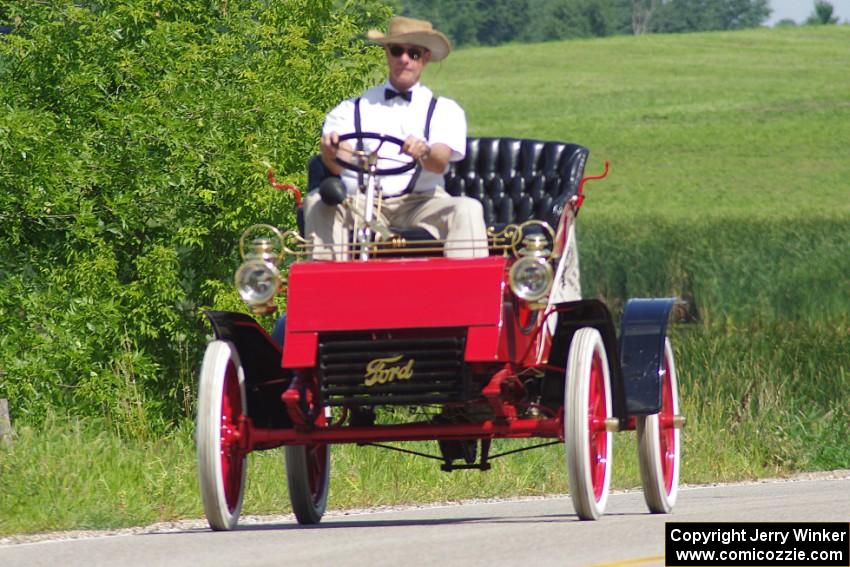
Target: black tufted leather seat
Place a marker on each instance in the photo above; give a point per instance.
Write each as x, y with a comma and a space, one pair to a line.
515, 179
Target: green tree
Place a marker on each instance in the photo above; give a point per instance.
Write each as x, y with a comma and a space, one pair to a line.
460, 20
642, 12
562, 19
470, 22
708, 15
501, 20
823, 14
134, 140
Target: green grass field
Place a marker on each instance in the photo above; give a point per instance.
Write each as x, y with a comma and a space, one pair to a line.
732, 125
729, 186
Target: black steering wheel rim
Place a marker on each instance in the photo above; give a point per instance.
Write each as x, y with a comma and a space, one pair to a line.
381, 138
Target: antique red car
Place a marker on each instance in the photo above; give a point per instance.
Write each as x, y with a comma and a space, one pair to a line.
480, 349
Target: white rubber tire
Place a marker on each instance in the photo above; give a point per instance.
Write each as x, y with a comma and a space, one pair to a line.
308, 475
589, 453
221, 478
660, 459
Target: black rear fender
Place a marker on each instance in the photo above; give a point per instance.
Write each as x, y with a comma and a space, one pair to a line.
643, 331
572, 316
265, 379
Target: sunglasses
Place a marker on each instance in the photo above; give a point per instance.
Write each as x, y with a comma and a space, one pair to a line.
415, 53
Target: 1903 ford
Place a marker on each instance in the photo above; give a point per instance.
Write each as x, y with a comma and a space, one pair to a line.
480, 349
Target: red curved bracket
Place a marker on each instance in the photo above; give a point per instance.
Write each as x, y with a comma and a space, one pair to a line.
296, 192
580, 194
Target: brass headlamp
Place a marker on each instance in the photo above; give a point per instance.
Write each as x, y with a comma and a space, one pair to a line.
531, 276
258, 279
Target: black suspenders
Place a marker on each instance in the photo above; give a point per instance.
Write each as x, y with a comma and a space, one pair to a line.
357, 128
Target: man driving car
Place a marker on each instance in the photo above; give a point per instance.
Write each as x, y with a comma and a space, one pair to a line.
433, 131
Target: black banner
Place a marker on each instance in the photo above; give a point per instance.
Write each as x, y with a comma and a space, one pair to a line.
806, 544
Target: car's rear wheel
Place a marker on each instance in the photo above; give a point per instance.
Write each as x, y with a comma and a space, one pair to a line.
308, 474
659, 443
221, 462
587, 404
308, 469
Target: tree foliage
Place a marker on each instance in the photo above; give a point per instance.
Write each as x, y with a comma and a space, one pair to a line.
470, 22
134, 140
823, 14
709, 15
563, 19
490, 22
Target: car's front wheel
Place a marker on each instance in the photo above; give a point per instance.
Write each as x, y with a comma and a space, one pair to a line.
221, 461
587, 406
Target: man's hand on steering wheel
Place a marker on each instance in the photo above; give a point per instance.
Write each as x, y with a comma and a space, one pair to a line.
433, 157
329, 147
371, 161
416, 148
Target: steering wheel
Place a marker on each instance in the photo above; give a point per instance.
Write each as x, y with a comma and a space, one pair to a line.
382, 138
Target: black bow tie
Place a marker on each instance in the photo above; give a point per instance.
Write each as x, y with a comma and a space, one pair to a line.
390, 94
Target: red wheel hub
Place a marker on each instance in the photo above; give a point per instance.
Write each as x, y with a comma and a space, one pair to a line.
666, 430
232, 457
597, 412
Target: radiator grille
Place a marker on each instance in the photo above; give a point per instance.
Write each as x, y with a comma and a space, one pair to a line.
366, 371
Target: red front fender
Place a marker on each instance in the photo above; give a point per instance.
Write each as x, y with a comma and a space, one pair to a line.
391, 294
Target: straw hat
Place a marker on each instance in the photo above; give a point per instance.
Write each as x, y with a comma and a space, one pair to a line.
414, 32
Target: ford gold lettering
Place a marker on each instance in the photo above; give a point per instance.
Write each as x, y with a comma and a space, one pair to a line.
383, 370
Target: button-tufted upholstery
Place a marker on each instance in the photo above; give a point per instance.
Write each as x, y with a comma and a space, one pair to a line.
515, 179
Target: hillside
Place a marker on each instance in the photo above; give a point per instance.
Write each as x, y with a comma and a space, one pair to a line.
729, 182
750, 124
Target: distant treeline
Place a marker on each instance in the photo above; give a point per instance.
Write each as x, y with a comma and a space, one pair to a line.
492, 22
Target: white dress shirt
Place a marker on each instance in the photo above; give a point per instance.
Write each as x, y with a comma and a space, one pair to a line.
399, 118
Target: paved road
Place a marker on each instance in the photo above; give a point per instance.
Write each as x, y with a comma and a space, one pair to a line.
535, 532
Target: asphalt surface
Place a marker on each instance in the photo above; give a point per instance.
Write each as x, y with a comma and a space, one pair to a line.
539, 532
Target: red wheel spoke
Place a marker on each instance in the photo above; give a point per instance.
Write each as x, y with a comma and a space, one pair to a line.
659, 442
587, 407
314, 469
597, 412
230, 453
666, 431
222, 435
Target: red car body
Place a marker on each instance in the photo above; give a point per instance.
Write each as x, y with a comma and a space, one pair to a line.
453, 338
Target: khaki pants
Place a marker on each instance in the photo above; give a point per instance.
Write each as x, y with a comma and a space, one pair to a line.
457, 220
